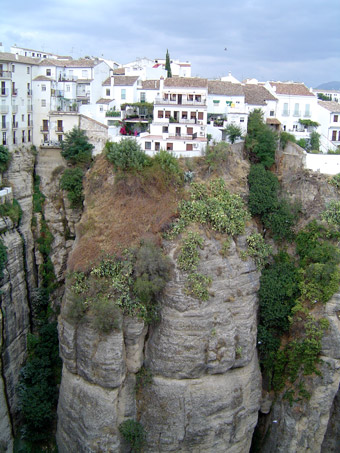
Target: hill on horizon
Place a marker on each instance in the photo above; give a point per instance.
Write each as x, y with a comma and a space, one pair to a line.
329, 86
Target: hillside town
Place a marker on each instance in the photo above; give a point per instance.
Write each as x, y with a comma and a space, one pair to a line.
44, 95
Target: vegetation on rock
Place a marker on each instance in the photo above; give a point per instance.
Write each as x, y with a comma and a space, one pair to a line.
134, 433
5, 158
76, 147
72, 182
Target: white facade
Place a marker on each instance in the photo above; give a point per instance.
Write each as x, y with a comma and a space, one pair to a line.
16, 100
329, 120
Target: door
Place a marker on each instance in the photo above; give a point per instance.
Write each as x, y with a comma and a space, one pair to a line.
178, 131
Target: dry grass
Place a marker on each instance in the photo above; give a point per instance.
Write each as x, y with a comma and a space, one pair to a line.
118, 214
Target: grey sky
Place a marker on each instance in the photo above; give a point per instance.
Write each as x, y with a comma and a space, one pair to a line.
266, 39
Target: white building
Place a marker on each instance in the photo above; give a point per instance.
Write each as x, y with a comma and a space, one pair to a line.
333, 95
16, 99
329, 120
258, 97
294, 101
180, 118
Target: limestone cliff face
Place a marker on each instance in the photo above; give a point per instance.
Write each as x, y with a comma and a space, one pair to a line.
308, 426
19, 278
205, 390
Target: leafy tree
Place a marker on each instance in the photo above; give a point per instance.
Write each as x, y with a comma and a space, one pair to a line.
76, 147
5, 158
314, 141
127, 155
263, 190
233, 132
261, 140
168, 64
324, 97
72, 182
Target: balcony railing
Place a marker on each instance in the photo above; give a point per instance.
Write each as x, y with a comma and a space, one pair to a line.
5, 75
14, 92
30, 123
83, 95
59, 129
183, 137
14, 108
4, 126
4, 92
163, 101
297, 113
4, 108
44, 129
15, 125
285, 113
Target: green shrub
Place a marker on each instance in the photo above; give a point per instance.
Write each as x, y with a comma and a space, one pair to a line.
304, 143
168, 163
332, 213
11, 210
106, 315
233, 132
258, 249
127, 155
143, 378
38, 196
3, 258
188, 259
261, 140
5, 158
286, 137
335, 181
197, 286
216, 156
72, 182
281, 221
76, 147
134, 433
263, 190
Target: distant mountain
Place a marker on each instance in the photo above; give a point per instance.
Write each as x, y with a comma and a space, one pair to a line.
329, 86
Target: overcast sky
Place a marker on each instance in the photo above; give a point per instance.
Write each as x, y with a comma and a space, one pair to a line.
267, 39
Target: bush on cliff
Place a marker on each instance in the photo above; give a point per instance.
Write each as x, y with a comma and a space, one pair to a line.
5, 158
76, 147
72, 182
127, 155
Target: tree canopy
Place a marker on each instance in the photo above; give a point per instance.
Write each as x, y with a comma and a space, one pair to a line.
76, 147
233, 132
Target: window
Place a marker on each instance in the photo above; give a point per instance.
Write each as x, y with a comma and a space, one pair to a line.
339, 136
189, 147
23, 137
285, 109
45, 138
193, 115
60, 125
43, 87
60, 138
336, 118
29, 135
13, 68
3, 121
165, 129
167, 114
169, 146
271, 113
147, 145
200, 115
28, 69
48, 72
297, 109
4, 138
334, 136
241, 120
14, 138
43, 103
108, 91
142, 96
29, 89
307, 110
123, 93
160, 114
184, 115
157, 146
23, 118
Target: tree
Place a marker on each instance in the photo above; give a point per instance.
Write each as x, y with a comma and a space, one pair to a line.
168, 64
5, 158
127, 155
76, 147
233, 132
261, 140
314, 141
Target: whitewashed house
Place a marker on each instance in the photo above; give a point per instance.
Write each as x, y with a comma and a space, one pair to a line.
258, 97
329, 120
180, 118
16, 99
294, 101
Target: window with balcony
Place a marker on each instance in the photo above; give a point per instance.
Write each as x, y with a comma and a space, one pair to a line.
307, 110
297, 109
4, 138
60, 138
147, 145
45, 138
160, 114
60, 126
167, 113
193, 115
285, 111
48, 72
123, 93
190, 97
142, 96
184, 115
198, 98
